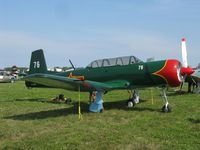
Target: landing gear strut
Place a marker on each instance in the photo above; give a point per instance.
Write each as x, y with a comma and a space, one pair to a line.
166, 107
133, 99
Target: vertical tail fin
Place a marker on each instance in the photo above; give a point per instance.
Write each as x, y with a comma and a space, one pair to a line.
38, 63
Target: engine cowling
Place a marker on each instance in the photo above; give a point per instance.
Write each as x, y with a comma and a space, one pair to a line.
171, 72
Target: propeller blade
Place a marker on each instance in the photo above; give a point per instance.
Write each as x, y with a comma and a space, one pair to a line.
184, 53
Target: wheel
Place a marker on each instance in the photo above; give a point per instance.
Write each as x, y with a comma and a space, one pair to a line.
166, 108
130, 103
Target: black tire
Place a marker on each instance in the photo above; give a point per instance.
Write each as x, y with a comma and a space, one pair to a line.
130, 103
166, 109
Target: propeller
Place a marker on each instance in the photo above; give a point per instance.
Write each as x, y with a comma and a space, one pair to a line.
185, 69
184, 53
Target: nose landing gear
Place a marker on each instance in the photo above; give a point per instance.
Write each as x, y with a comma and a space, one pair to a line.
166, 107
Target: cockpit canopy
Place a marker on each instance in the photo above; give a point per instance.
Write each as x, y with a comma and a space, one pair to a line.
118, 61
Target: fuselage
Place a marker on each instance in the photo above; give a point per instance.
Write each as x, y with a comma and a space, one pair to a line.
138, 75
142, 74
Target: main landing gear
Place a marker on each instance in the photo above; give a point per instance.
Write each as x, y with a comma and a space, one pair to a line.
166, 107
133, 98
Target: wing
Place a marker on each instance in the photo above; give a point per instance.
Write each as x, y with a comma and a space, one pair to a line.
73, 83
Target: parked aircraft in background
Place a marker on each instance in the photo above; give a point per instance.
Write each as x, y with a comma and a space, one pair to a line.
104, 75
194, 81
5, 77
196, 78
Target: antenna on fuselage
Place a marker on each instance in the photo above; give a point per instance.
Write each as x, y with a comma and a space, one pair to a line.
72, 64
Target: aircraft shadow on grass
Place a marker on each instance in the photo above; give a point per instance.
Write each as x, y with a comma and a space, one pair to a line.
121, 105
42, 100
178, 93
195, 121
32, 100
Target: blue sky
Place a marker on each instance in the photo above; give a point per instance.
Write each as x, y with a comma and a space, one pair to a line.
84, 30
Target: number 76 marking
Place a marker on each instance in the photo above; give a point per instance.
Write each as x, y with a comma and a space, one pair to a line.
36, 64
140, 67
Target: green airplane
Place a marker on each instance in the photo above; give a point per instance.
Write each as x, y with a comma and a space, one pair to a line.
104, 75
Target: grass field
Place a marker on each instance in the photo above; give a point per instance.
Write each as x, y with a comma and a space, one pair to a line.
28, 120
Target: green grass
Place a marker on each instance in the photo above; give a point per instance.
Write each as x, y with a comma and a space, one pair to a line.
28, 120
